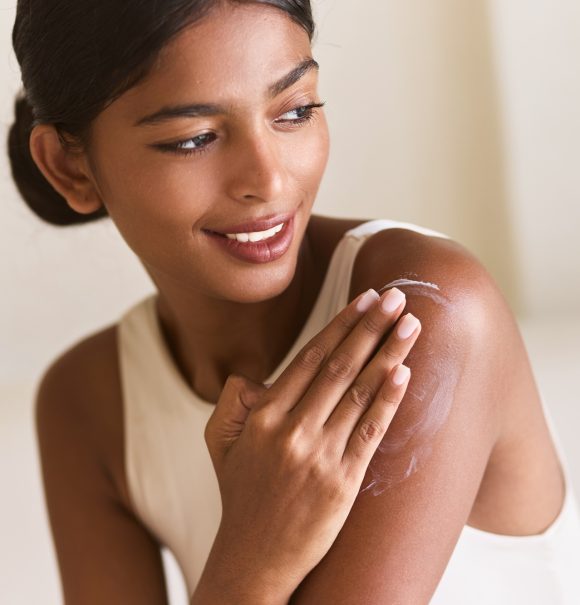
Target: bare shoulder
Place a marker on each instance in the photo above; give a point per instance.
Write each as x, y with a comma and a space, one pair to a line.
452, 293
442, 280
81, 388
459, 449
410, 255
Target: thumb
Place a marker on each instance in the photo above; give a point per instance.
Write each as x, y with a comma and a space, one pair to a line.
238, 397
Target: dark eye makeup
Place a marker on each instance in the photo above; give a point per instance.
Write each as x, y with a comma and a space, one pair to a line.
202, 142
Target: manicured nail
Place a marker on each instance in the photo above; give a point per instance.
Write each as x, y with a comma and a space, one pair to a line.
407, 326
401, 374
392, 300
366, 300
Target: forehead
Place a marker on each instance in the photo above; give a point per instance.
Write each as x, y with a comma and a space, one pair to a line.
236, 50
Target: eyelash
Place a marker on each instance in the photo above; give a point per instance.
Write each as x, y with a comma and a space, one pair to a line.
298, 123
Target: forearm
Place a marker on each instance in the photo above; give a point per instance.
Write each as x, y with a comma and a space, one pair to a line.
212, 592
231, 579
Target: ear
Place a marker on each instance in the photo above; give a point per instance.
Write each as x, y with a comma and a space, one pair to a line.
65, 169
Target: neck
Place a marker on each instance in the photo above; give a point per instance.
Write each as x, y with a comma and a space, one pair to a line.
207, 346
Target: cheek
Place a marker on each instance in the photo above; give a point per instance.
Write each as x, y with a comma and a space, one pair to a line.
138, 181
306, 159
153, 204
157, 187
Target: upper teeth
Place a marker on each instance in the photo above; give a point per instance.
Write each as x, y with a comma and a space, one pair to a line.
255, 236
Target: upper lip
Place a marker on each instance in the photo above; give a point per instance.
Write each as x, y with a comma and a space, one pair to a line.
262, 224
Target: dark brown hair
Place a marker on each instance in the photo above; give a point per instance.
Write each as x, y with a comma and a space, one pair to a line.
77, 57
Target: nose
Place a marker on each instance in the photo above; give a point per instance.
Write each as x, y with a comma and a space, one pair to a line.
256, 169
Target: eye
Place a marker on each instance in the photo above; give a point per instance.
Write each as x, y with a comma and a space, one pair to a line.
304, 113
193, 145
202, 142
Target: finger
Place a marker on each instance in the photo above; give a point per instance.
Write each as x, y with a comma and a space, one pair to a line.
343, 419
289, 387
343, 366
373, 425
237, 399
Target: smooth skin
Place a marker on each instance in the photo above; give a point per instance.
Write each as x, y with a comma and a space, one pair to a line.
492, 465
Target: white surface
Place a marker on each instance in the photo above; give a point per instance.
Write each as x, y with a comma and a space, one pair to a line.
26, 551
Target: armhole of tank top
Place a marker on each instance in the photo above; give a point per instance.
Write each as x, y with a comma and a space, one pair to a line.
128, 415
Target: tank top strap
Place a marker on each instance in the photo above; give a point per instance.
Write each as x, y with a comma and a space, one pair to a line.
380, 224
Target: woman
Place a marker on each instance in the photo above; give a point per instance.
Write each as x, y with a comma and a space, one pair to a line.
239, 416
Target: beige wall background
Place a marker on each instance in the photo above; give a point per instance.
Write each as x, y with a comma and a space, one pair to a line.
462, 116
459, 116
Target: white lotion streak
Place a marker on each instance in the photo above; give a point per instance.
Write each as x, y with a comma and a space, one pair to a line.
426, 289
430, 403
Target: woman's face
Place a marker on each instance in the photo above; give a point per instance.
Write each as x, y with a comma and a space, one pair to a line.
252, 156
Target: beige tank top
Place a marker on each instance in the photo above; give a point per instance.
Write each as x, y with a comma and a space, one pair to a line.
175, 492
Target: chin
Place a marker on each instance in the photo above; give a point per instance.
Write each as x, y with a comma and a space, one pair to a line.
259, 283
263, 288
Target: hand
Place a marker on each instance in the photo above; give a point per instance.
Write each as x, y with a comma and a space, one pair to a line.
290, 459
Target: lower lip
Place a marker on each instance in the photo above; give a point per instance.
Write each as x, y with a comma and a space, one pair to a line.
265, 251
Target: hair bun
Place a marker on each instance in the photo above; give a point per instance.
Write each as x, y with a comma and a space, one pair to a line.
37, 192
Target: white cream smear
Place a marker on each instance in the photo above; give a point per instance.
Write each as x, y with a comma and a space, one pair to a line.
427, 288
430, 402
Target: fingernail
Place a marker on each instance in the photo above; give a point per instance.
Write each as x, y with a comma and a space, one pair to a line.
401, 374
267, 384
392, 300
407, 326
366, 300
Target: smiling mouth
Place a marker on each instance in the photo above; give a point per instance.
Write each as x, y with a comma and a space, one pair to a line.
259, 249
253, 236
257, 227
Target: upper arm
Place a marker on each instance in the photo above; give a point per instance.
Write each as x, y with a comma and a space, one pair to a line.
104, 554
421, 484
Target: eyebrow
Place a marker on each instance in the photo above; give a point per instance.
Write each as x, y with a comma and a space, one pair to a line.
170, 112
